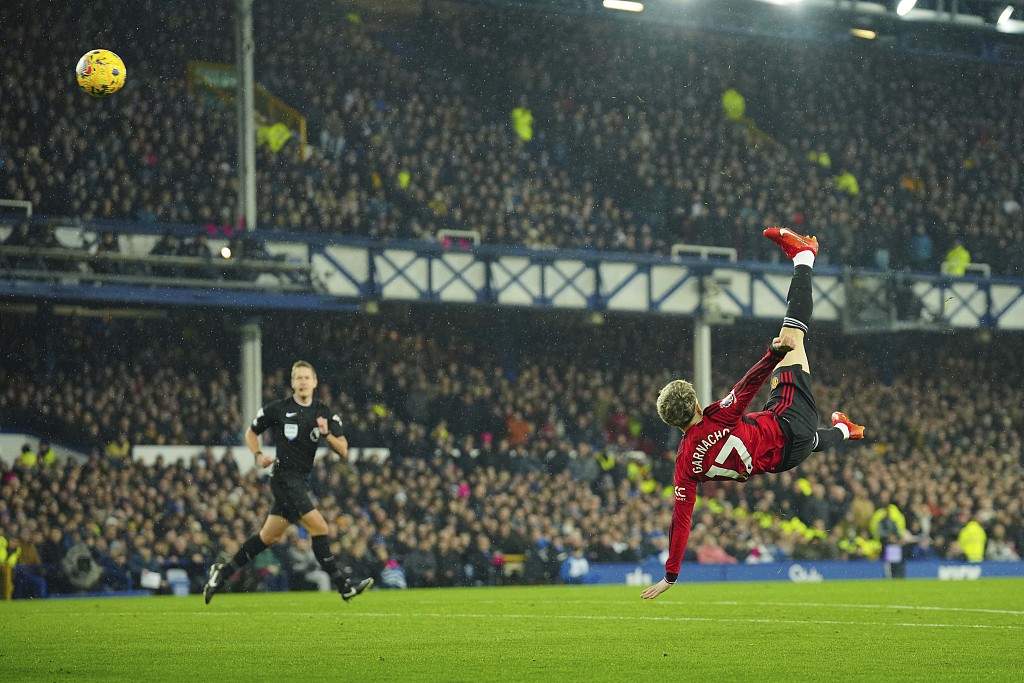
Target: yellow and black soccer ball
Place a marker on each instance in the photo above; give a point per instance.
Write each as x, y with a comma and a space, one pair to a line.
100, 73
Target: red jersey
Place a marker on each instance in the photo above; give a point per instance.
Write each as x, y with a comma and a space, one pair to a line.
725, 444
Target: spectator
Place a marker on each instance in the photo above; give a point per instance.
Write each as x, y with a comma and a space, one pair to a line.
421, 565
198, 248
576, 568
119, 450
303, 566
45, 455
167, 246
921, 247
710, 552
27, 458
972, 538
392, 575
957, 259
107, 244
998, 548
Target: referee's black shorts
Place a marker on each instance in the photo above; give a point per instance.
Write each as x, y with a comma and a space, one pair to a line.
291, 496
792, 401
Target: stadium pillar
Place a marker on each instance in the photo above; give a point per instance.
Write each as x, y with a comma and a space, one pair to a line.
252, 370
245, 48
702, 360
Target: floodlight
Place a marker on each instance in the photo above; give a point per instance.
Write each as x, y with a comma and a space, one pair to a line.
624, 5
904, 7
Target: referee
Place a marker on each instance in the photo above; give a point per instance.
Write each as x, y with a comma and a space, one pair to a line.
297, 424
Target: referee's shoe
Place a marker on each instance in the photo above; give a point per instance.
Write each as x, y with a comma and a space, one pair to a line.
353, 588
215, 581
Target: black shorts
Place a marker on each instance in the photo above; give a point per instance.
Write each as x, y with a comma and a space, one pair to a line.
291, 496
792, 401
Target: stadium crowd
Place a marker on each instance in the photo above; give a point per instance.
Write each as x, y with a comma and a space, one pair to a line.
629, 148
504, 439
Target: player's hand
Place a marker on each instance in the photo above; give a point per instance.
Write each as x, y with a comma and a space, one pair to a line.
785, 342
264, 460
321, 424
656, 590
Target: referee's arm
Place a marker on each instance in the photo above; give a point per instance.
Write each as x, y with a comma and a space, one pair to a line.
252, 440
339, 444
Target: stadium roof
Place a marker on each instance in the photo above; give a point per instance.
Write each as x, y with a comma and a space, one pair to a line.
973, 29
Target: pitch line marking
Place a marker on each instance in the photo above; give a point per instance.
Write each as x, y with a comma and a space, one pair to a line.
583, 617
822, 622
931, 608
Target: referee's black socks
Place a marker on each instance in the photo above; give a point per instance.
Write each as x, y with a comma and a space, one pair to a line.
322, 550
252, 547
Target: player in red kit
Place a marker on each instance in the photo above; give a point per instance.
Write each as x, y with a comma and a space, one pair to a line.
721, 442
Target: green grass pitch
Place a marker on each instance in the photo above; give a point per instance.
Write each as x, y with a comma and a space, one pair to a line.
836, 631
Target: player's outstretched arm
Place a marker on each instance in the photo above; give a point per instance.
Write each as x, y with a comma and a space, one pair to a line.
657, 589
731, 408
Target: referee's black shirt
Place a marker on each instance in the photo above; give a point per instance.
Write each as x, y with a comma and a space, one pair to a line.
296, 434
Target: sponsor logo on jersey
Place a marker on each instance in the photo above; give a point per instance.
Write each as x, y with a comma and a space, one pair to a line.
291, 431
290, 414
680, 493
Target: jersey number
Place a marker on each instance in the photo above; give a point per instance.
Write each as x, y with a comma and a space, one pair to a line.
731, 444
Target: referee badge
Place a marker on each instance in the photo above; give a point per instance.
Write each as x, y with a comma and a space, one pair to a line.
291, 431
775, 382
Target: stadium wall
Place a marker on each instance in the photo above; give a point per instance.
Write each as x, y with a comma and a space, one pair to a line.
346, 273
10, 448
171, 454
645, 573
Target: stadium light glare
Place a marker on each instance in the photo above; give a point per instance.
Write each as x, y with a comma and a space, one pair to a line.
904, 7
863, 33
624, 5
1005, 15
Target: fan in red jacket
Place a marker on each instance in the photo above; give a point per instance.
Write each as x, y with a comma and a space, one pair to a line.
722, 442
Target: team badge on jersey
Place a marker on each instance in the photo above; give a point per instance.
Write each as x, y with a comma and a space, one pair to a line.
775, 382
291, 431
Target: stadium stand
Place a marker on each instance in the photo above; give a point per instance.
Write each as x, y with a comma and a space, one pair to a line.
409, 137
509, 444
941, 452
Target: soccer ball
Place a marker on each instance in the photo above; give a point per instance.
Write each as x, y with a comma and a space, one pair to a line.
100, 73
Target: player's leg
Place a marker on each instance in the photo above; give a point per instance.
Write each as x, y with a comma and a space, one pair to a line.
271, 532
799, 299
842, 428
316, 525
791, 394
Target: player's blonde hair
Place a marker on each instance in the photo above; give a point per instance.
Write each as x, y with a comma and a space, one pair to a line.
303, 364
677, 403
